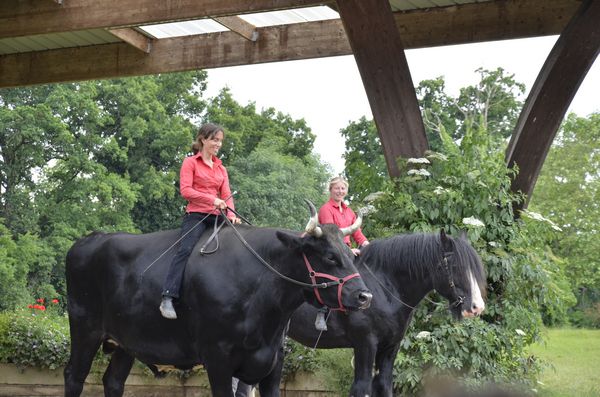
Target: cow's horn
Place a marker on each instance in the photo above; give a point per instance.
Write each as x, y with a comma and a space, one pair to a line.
312, 227
353, 227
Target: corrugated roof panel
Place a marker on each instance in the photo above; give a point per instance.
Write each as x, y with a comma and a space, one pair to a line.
7, 47
56, 40
25, 44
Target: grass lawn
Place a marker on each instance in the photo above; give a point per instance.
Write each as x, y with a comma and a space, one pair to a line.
575, 357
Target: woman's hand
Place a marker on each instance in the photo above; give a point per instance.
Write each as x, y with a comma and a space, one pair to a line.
355, 251
220, 204
236, 220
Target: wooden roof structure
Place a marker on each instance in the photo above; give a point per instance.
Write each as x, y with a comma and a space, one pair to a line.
49, 41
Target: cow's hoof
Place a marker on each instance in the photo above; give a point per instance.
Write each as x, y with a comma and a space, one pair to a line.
166, 308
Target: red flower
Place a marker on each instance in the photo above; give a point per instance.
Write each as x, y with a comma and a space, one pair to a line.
55, 301
30, 306
40, 300
42, 308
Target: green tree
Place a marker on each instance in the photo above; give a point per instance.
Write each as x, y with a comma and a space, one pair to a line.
468, 188
568, 191
270, 162
272, 186
493, 104
438, 109
365, 164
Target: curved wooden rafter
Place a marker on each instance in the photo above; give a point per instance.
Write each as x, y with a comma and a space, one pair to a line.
565, 68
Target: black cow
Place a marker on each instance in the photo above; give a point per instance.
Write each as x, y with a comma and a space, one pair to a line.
232, 312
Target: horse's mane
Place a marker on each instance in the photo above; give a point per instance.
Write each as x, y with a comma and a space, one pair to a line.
419, 254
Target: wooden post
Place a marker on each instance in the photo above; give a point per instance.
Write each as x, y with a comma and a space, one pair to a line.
379, 54
550, 97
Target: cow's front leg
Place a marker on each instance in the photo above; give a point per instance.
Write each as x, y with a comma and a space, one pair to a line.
364, 356
269, 386
219, 376
384, 363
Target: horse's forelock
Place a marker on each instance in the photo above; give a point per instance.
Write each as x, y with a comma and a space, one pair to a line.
468, 257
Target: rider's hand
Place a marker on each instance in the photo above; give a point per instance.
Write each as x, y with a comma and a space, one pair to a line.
220, 204
355, 251
236, 221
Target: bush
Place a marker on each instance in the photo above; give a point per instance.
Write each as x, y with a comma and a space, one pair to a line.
468, 188
34, 339
588, 317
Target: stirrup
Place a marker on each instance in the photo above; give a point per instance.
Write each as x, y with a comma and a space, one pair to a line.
166, 308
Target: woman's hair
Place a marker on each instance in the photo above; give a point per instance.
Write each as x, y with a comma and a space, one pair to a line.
337, 179
206, 131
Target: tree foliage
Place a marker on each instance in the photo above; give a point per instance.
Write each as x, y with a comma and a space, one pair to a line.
568, 190
467, 187
466, 183
105, 155
492, 104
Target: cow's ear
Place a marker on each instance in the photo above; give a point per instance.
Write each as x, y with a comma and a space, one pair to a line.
289, 240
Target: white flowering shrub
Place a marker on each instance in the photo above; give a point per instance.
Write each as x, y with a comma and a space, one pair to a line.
467, 188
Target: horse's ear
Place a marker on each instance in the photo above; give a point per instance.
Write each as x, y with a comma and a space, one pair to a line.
446, 242
463, 235
290, 240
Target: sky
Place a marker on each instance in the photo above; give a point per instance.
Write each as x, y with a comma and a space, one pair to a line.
328, 92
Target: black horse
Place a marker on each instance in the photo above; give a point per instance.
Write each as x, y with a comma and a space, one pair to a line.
233, 308
400, 271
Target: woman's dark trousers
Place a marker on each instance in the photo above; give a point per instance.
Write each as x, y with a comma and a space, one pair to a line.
172, 283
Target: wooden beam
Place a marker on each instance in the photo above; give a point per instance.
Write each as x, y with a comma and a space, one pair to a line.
239, 26
565, 68
133, 38
280, 43
173, 54
379, 54
32, 17
485, 21
492, 20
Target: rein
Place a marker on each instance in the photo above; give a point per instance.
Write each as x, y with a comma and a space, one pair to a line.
172, 245
316, 286
444, 264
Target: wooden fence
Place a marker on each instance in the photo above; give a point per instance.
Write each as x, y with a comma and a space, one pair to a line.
33, 382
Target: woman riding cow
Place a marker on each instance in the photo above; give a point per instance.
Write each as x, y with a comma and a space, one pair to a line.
204, 183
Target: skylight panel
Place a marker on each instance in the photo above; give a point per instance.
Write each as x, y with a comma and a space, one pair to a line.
286, 17
260, 19
185, 28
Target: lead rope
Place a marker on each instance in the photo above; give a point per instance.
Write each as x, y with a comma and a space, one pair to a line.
172, 245
271, 268
393, 295
180, 238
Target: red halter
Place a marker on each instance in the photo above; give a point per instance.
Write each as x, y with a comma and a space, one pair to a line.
340, 282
